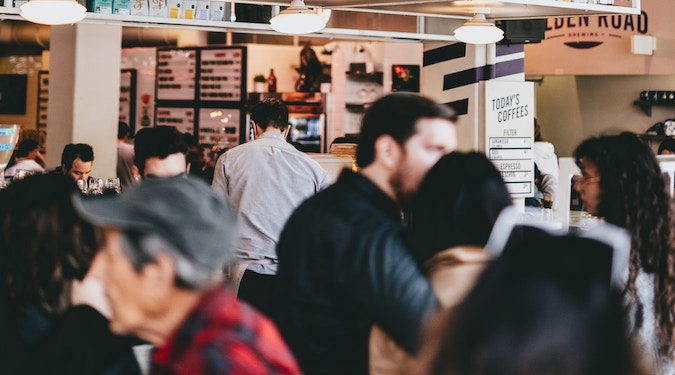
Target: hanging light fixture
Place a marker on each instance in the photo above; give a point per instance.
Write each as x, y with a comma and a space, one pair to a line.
299, 19
52, 12
478, 30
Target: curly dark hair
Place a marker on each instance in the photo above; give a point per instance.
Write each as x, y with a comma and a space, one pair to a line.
44, 244
634, 196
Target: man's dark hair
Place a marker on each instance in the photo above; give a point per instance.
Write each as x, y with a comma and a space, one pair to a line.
122, 130
396, 115
26, 147
74, 151
159, 141
270, 112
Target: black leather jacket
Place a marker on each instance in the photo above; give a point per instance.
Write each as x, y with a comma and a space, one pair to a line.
343, 267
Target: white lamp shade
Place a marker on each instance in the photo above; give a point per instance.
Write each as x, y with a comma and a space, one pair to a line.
53, 12
479, 31
298, 19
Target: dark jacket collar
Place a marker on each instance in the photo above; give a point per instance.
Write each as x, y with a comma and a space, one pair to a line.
371, 192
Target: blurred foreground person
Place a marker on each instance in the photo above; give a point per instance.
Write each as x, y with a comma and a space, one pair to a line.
544, 307
452, 217
343, 264
167, 241
45, 250
622, 184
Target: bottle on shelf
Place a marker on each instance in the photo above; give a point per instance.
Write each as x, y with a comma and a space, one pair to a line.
272, 82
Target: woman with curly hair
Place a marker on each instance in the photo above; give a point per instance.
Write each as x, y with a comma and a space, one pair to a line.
622, 183
45, 250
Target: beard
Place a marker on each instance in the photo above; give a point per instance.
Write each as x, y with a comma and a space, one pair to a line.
404, 194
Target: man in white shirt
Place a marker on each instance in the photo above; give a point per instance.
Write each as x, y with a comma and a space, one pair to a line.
25, 158
265, 180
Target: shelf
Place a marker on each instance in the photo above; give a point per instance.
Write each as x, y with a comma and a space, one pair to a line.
366, 77
647, 106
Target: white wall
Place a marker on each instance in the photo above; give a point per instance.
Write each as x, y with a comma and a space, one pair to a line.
573, 108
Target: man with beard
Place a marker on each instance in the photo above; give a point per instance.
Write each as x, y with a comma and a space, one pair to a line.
343, 264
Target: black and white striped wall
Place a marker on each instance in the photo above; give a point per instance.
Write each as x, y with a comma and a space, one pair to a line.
455, 73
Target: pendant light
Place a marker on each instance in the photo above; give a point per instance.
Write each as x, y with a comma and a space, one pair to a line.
478, 30
298, 19
53, 12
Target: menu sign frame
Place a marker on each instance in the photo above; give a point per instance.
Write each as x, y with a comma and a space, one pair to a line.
176, 74
206, 80
509, 133
220, 74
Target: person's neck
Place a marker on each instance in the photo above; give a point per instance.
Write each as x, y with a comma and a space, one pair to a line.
175, 309
380, 178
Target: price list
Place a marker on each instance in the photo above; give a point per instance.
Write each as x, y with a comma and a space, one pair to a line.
176, 74
220, 75
509, 128
182, 119
125, 97
219, 126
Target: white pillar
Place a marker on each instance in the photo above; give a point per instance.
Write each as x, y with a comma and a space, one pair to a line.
84, 85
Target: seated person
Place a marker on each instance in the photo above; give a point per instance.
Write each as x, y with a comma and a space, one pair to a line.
77, 160
27, 157
45, 251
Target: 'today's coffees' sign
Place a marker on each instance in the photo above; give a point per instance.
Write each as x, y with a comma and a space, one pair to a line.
509, 131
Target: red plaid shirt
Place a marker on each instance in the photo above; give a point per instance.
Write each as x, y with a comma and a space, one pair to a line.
224, 336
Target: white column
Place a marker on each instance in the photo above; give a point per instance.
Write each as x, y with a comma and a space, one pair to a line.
84, 84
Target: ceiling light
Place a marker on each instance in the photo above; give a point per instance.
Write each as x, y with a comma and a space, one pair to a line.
479, 31
298, 19
52, 12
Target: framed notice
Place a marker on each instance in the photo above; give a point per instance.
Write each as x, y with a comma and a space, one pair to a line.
182, 119
509, 133
219, 126
43, 95
127, 107
221, 73
176, 74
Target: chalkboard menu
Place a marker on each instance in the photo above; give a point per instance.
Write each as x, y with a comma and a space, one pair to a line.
202, 91
176, 74
219, 126
182, 119
220, 77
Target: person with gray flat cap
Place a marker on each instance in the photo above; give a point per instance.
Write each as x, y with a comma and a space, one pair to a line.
166, 242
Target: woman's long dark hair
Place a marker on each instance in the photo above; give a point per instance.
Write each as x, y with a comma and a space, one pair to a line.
536, 310
44, 244
457, 204
634, 196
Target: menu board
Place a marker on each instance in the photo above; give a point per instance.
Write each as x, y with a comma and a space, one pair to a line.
219, 126
182, 119
220, 74
509, 132
176, 74
127, 106
43, 95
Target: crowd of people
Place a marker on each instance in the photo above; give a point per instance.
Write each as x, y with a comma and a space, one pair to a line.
262, 266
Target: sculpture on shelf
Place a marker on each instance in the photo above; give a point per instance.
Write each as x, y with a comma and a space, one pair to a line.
310, 71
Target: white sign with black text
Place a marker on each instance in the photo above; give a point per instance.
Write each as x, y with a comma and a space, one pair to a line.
509, 132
